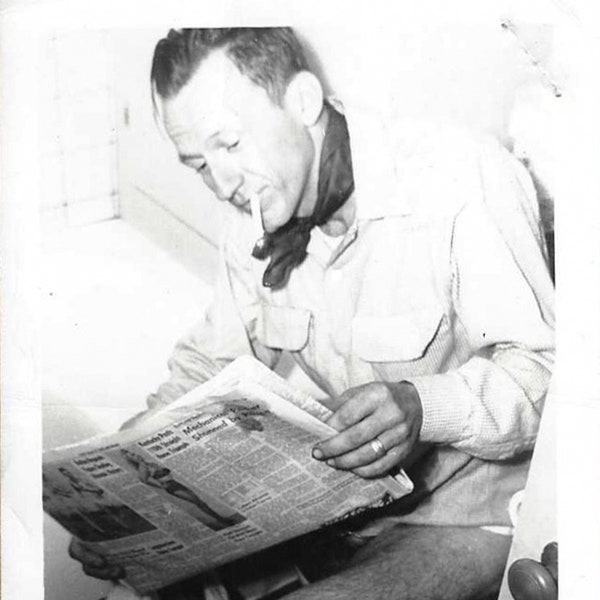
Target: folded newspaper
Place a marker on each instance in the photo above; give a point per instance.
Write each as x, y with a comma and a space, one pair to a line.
221, 473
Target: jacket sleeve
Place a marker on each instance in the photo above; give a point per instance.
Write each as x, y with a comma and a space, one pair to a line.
225, 332
490, 406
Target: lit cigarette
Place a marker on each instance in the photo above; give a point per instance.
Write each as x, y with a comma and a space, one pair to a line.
257, 225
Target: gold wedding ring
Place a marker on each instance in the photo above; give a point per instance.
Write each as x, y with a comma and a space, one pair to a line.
377, 447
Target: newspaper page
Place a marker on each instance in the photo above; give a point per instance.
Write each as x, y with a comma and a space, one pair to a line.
223, 472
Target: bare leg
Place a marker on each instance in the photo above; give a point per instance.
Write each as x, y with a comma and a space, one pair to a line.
419, 563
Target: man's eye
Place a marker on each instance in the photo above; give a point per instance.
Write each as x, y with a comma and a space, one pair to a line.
200, 168
233, 146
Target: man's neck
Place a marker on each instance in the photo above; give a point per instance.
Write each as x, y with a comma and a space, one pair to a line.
317, 133
343, 218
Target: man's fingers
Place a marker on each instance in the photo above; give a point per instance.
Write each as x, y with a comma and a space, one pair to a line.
83, 554
106, 573
334, 403
357, 403
373, 414
382, 466
354, 410
370, 451
366, 415
93, 563
351, 439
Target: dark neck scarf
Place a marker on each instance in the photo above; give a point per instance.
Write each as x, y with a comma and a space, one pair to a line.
286, 247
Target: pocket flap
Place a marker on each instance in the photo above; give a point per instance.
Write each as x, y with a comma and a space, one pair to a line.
395, 338
283, 327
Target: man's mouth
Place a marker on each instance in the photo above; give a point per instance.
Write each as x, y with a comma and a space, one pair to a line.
244, 200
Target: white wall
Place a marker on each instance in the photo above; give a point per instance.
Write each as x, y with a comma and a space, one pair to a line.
462, 72
77, 133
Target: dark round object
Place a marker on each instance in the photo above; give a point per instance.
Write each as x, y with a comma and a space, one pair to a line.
530, 580
550, 559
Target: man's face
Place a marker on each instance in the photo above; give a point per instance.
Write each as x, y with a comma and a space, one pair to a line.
242, 144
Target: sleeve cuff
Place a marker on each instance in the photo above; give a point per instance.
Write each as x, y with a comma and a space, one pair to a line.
446, 407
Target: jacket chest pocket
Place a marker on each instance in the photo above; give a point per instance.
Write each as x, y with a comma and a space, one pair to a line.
406, 344
283, 327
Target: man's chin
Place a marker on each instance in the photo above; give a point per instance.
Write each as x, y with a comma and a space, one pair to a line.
270, 228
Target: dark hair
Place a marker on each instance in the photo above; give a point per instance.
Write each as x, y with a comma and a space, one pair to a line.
268, 56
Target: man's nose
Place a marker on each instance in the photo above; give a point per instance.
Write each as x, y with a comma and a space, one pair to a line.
226, 183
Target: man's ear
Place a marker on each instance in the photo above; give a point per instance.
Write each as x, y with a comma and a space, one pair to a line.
304, 98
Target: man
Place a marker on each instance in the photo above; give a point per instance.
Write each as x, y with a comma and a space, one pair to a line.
403, 268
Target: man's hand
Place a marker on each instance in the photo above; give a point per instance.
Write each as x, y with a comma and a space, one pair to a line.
93, 564
379, 425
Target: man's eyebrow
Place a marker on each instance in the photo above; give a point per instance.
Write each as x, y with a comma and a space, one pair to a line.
189, 157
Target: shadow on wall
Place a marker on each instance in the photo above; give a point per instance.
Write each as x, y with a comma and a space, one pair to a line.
546, 204
64, 424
